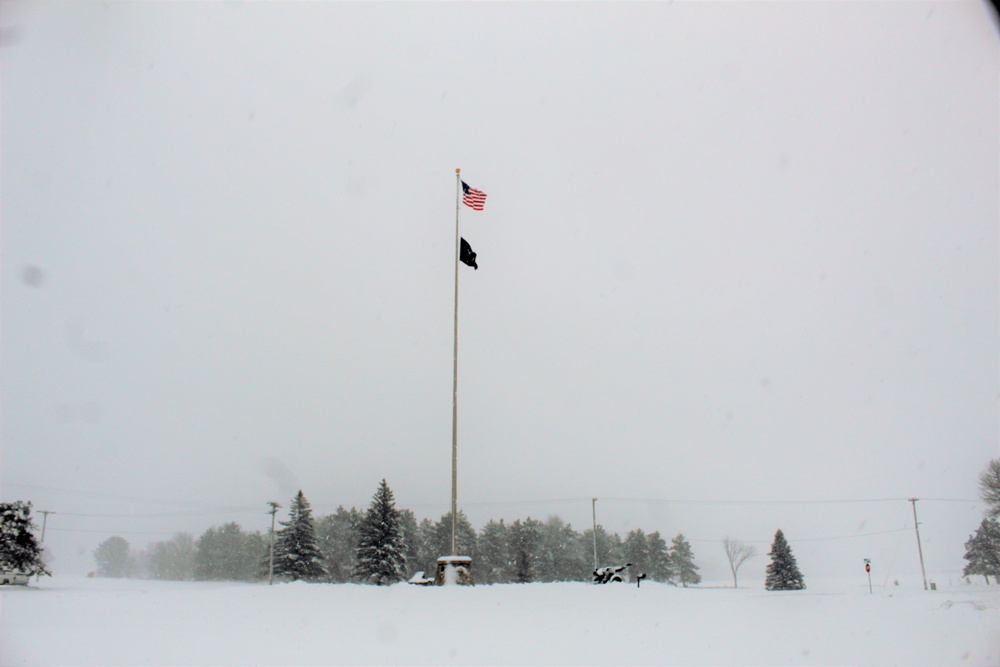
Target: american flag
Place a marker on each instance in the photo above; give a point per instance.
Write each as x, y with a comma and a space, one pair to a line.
472, 197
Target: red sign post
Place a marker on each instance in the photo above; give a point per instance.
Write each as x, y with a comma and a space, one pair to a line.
868, 569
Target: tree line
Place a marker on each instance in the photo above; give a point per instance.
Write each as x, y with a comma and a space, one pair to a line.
385, 544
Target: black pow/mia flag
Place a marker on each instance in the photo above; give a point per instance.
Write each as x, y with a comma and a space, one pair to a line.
467, 255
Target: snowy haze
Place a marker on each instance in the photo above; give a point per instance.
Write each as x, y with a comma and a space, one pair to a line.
736, 259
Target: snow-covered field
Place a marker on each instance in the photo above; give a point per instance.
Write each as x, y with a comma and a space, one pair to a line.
79, 621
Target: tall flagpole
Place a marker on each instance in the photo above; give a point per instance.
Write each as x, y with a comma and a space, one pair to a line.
454, 380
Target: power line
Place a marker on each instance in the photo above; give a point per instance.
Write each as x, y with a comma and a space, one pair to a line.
679, 501
115, 496
950, 500
491, 503
819, 539
849, 537
117, 532
160, 515
692, 501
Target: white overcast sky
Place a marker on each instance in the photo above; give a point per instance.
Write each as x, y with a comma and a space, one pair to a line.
730, 252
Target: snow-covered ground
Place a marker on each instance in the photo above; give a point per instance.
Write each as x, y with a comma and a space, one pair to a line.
79, 621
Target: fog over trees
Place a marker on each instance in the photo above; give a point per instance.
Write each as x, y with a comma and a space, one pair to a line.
113, 558
385, 544
228, 553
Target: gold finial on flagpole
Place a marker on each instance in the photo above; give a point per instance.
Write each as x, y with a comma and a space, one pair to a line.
458, 171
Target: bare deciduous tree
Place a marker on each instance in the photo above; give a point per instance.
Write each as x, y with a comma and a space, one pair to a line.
737, 553
989, 487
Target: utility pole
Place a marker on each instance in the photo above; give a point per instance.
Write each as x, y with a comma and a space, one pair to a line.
270, 566
593, 513
920, 549
45, 519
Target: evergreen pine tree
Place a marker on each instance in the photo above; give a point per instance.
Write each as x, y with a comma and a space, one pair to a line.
682, 562
212, 550
465, 537
561, 555
782, 572
412, 538
982, 551
609, 547
337, 535
637, 554
381, 553
493, 564
253, 550
427, 549
296, 552
19, 550
524, 540
659, 567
